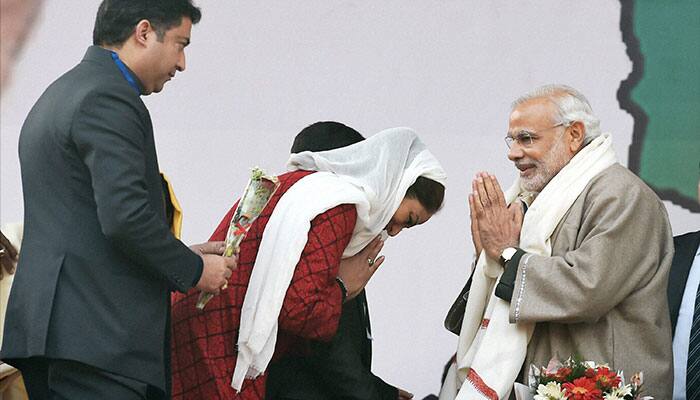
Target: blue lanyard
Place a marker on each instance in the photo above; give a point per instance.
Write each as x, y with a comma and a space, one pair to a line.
125, 72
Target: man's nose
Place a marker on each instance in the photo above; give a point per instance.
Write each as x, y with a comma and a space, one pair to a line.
515, 152
181, 63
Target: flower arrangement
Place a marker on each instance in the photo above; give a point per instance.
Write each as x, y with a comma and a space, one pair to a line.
575, 379
257, 194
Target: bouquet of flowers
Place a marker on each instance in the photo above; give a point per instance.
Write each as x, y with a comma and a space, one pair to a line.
575, 379
257, 194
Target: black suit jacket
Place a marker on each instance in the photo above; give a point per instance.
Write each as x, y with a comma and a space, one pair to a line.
98, 259
336, 370
685, 248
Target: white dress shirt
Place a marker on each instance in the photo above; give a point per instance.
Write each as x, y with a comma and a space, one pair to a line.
681, 340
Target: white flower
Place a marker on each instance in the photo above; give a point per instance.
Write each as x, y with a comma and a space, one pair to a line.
618, 393
610, 396
552, 391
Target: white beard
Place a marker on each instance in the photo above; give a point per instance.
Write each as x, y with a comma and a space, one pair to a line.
547, 168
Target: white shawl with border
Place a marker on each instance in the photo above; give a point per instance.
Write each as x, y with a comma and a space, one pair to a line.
491, 350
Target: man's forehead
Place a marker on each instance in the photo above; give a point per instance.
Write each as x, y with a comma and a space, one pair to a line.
532, 113
181, 31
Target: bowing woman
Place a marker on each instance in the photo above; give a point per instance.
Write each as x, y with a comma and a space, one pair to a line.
314, 246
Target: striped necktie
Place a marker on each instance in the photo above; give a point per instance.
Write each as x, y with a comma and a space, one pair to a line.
692, 383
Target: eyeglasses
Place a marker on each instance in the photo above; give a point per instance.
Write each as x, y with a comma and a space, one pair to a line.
527, 138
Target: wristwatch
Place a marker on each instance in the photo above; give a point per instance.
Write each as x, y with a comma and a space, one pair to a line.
507, 254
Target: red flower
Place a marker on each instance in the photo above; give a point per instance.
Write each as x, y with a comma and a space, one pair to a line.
582, 389
605, 378
561, 374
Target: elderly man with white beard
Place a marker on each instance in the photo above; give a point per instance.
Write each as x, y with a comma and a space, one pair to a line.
574, 258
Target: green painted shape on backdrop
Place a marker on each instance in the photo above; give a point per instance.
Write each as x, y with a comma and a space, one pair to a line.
669, 93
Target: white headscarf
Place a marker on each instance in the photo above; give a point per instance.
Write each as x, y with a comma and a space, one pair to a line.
374, 175
382, 167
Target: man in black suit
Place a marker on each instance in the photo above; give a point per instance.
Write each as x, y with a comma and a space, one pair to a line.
340, 369
686, 246
88, 313
683, 301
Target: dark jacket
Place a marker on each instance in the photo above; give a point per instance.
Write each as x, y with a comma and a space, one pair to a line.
98, 258
336, 370
685, 246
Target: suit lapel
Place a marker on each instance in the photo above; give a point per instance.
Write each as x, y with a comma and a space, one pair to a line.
685, 248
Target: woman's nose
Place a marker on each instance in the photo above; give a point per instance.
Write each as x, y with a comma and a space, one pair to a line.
393, 230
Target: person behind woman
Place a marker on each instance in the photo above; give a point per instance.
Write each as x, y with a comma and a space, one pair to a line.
289, 286
340, 368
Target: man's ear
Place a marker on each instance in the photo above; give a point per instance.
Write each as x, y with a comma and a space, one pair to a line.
142, 30
577, 133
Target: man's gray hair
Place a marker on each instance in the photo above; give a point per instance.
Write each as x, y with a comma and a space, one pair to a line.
571, 106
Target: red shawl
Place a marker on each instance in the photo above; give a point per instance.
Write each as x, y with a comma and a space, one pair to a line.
203, 342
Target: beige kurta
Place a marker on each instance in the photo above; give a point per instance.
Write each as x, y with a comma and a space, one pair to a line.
602, 293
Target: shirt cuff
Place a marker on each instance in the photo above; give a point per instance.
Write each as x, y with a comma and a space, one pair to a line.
506, 284
199, 268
